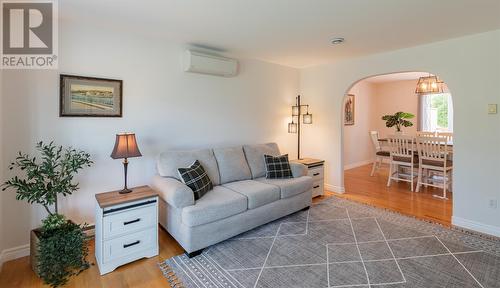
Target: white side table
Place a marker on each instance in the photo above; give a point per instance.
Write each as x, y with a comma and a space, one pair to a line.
126, 227
316, 169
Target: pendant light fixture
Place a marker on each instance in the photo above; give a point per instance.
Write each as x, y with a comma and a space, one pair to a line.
429, 85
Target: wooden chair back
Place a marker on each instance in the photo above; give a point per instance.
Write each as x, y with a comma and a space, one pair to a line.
401, 146
376, 143
448, 135
432, 148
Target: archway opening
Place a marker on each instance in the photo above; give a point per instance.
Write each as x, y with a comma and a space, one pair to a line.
409, 112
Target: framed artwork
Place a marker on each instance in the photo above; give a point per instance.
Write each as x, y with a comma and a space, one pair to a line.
349, 110
90, 97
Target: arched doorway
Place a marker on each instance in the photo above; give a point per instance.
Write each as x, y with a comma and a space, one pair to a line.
364, 104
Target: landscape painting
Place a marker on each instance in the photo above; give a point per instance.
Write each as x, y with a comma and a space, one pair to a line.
90, 97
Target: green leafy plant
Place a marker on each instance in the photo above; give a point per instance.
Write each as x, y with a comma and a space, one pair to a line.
62, 249
398, 120
46, 179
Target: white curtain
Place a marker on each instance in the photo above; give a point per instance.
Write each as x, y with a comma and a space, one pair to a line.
425, 113
428, 116
450, 113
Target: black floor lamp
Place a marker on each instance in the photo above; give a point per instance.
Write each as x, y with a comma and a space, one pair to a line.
299, 111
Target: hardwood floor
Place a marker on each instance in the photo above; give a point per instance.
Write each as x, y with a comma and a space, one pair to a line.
361, 187
145, 273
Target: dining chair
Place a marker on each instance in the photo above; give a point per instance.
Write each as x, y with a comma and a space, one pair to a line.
380, 154
433, 155
425, 134
402, 153
448, 135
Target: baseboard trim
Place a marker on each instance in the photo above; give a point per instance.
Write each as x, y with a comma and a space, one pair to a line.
475, 226
333, 188
14, 253
358, 164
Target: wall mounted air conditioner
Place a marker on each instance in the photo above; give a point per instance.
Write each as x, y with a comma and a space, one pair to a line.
197, 62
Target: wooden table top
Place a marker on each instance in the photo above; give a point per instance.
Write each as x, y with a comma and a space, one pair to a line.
309, 161
114, 197
386, 139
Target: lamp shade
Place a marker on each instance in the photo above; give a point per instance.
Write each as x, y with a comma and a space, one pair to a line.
125, 146
429, 85
292, 127
307, 118
295, 110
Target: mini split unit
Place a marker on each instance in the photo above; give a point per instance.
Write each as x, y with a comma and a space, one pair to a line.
197, 62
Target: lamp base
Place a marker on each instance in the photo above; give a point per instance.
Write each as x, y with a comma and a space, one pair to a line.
125, 191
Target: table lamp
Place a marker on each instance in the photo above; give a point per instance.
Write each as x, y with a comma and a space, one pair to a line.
125, 147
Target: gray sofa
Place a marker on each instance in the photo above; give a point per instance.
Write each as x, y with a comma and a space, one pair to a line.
242, 198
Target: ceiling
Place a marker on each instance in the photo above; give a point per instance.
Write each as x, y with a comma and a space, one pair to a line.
397, 77
295, 33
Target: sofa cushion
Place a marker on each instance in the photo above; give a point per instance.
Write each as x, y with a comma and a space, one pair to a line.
255, 157
170, 161
257, 193
277, 167
290, 187
217, 204
232, 164
196, 178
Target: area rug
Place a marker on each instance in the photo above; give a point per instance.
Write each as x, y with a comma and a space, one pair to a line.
340, 243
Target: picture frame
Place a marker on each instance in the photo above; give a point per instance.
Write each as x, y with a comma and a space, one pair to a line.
82, 96
349, 111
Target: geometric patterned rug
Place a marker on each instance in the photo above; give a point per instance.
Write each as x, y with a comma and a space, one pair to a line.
340, 243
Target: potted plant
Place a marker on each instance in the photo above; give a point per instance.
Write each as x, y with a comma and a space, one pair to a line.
398, 120
59, 247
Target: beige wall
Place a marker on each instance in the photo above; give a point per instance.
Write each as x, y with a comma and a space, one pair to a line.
392, 97
372, 101
166, 107
471, 68
358, 148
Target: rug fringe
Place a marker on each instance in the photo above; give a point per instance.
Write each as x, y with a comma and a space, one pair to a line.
170, 275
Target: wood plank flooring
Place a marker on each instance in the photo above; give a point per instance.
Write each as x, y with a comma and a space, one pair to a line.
145, 273
361, 187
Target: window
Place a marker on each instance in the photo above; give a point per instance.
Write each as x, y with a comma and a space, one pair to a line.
436, 112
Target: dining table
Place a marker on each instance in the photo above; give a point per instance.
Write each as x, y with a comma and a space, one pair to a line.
385, 140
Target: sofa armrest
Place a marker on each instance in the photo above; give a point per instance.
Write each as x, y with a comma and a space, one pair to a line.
298, 169
174, 192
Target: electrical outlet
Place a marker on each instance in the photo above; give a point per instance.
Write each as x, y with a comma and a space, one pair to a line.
493, 204
492, 108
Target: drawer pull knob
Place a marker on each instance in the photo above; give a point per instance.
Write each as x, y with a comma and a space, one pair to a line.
315, 174
317, 186
131, 244
132, 221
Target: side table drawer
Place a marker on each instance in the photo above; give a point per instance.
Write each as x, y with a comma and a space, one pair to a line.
318, 188
129, 244
129, 221
316, 173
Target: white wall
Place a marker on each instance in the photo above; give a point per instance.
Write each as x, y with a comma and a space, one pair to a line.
2, 167
358, 148
392, 97
471, 68
164, 106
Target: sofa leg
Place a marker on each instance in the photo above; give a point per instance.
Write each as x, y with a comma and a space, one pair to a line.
305, 209
194, 254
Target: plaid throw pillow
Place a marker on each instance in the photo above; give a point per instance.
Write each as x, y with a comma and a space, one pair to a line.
196, 178
277, 167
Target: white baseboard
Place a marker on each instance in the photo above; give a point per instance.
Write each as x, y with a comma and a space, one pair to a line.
358, 164
14, 253
333, 188
475, 226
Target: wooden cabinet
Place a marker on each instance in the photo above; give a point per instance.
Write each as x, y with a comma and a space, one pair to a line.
316, 169
126, 227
